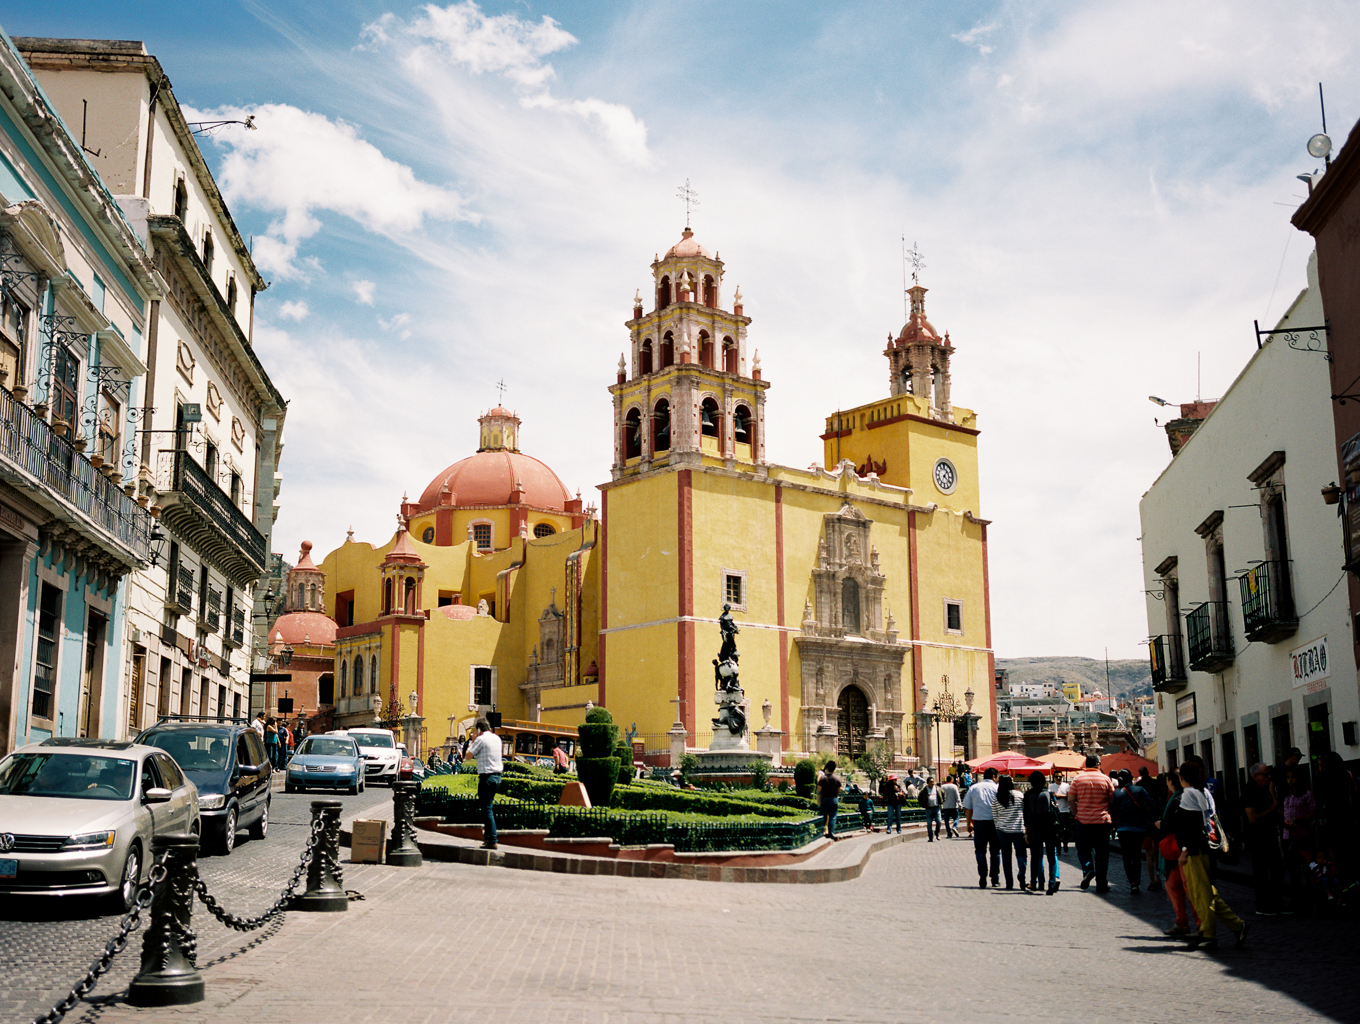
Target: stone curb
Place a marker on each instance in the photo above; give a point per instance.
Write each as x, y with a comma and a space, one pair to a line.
440, 847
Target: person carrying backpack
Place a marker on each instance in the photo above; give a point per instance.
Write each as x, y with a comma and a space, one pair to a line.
1133, 813
1041, 833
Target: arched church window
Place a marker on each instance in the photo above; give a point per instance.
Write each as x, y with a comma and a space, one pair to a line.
409, 596
661, 427
705, 349
729, 355
645, 358
850, 605
544, 530
344, 680
428, 535
708, 418
663, 293
302, 596
667, 350
548, 653
741, 425
387, 597
710, 291
313, 601
632, 434
373, 673
358, 675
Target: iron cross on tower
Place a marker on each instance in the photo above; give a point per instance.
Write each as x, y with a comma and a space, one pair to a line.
690, 197
917, 261
500, 386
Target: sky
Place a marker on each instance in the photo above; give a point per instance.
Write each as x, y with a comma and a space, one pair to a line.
446, 197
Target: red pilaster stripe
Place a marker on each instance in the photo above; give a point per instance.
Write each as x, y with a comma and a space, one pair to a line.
420, 663
684, 522
604, 589
779, 611
394, 675
917, 668
987, 614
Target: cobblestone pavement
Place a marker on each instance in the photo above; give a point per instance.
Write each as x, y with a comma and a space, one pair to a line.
47, 944
911, 940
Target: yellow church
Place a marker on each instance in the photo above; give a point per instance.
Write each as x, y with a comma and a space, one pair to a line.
859, 588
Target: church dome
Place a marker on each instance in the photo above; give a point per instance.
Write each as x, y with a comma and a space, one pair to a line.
491, 477
687, 246
311, 628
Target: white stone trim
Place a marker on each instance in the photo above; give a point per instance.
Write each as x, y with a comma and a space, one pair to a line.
958, 603
740, 574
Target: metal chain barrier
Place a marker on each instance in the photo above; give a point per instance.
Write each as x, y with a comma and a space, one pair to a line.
242, 924
130, 923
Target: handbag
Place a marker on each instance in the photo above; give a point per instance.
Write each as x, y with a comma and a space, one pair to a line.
1169, 848
1216, 835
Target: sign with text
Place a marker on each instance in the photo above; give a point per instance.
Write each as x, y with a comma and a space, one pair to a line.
1310, 663
1186, 712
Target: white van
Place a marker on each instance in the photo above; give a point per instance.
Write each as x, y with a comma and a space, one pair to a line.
379, 750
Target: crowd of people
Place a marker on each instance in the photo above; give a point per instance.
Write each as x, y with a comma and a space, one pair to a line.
280, 739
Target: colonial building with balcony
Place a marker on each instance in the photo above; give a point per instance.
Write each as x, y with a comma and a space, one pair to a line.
1242, 558
75, 288
210, 420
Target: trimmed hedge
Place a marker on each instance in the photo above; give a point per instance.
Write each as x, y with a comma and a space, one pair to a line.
653, 798
805, 777
599, 775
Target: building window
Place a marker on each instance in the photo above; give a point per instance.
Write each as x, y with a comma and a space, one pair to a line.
734, 588
632, 432
850, 605
45, 672
741, 425
65, 385
729, 355
428, 535
645, 358
181, 200
667, 350
481, 536
544, 530
373, 672
236, 489
210, 461
1282, 735
483, 689
663, 293
953, 616
359, 675
705, 350
231, 296
1251, 744
344, 681
710, 295
208, 252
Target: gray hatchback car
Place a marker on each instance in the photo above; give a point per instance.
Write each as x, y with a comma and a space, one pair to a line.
77, 816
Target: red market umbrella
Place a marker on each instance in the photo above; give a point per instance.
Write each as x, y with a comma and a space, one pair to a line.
1010, 762
1111, 763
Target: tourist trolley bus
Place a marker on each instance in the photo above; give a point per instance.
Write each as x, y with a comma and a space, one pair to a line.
531, 742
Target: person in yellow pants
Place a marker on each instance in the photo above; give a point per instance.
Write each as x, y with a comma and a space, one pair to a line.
1191, 818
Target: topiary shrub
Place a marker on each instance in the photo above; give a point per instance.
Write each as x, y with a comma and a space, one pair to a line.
625, 755
805, 777
760, 774
596, 766
783, 786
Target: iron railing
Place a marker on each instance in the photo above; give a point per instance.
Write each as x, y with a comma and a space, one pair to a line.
1267, 602
49, 464
1211, 644
184, 587
211, 517
1168, 665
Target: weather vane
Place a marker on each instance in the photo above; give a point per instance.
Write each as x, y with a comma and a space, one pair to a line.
500, 386
915, 258
690, 197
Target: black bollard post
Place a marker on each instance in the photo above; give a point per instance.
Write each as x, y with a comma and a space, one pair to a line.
324, 890
402, 851
168, 976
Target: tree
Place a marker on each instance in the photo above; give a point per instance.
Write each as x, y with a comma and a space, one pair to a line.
875, 762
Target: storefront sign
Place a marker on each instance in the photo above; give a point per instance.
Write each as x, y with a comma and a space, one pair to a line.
1310, 663
1186, 714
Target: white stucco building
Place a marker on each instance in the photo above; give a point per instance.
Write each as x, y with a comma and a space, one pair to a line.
1242, 559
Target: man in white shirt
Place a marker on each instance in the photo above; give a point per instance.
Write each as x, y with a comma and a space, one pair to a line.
486, 748
977, 805
950, 793
258, 726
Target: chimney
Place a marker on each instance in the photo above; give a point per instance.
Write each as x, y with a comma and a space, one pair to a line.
1178, 431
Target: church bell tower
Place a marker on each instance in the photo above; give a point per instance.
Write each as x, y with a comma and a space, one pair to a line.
686, 392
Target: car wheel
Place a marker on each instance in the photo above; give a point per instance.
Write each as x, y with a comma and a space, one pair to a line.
261, 828
121, 901
288, 787
226, 842
363, 784
354, 790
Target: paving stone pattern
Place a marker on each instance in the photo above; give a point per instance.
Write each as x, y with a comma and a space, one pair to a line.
911, 940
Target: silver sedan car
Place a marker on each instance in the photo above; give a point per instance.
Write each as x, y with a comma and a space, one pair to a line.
77, 816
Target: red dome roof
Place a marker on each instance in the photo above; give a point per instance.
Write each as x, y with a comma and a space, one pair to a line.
304, 628
489, 478
687, 246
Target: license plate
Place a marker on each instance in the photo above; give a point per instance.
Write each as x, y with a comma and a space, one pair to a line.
9, 868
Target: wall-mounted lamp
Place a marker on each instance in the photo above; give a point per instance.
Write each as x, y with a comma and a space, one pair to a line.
157, 544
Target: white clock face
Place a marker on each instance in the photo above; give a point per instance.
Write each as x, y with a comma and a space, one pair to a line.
946, 476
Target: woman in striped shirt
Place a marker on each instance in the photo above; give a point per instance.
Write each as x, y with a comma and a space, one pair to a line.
1008, 813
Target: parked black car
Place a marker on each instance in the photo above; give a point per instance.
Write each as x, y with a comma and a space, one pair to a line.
226, 760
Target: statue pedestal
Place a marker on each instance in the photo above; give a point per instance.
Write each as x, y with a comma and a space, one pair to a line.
679, 742
729, 750
825, 738
770, 741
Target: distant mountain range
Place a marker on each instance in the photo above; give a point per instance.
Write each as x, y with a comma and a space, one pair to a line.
1128, 679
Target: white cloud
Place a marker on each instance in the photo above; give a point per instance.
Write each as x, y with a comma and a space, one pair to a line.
299, 164
503, 43
974, 36
295, 310
399, 324
363, 292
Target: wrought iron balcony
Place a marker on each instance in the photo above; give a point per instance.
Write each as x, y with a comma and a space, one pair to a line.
1210, 638
49, 470
203, 514
1268, 603
1168, 666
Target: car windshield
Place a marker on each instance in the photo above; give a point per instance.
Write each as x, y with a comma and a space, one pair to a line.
206, 751
377, 739
327, 746
74, 776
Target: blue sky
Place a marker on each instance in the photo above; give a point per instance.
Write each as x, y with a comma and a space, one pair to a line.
445, 196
